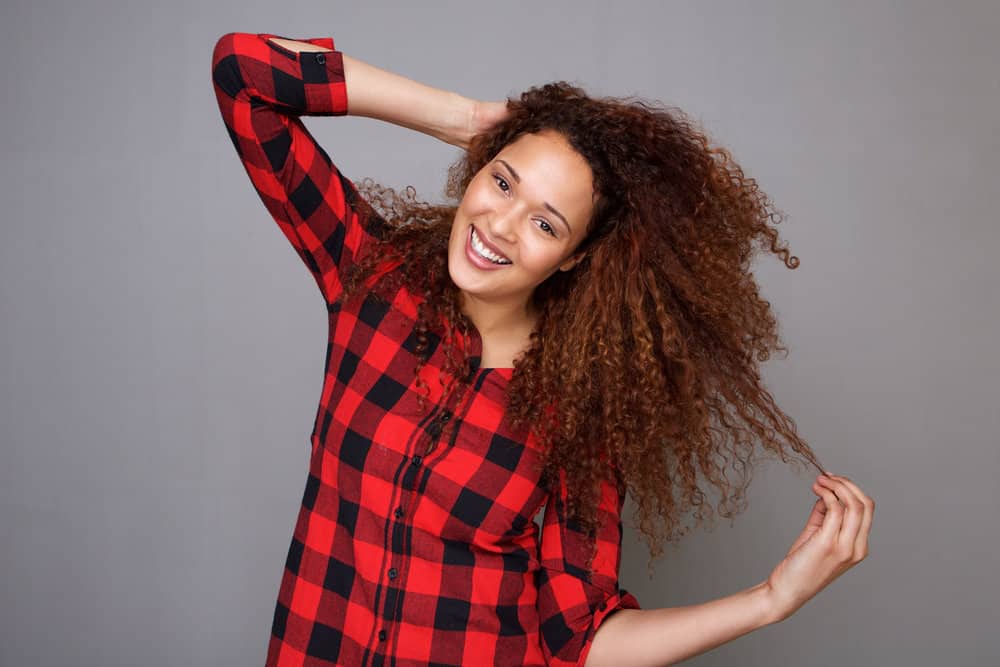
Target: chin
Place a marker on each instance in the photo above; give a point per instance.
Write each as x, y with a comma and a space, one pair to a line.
461, 278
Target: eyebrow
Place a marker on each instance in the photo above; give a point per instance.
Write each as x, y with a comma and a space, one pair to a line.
549, 206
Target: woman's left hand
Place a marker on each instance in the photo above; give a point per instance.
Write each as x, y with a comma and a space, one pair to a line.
834, 540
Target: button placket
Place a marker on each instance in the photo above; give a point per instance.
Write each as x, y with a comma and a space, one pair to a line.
434, 429
393, 572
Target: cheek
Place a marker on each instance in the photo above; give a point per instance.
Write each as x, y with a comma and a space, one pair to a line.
477, 195
540, 257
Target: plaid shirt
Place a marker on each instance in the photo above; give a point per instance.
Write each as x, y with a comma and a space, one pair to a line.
416, 542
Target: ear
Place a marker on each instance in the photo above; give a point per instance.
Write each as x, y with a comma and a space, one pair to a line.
572, 261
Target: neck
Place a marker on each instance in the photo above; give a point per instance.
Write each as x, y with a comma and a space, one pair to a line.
497, 319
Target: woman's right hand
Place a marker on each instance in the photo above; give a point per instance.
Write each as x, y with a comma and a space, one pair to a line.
482, 116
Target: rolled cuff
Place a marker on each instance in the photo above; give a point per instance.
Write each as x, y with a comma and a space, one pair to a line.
620, 600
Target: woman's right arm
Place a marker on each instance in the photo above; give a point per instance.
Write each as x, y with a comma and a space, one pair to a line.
377, 93
264, 83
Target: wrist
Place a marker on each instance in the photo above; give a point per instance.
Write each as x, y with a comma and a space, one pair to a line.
458, 120
769, 609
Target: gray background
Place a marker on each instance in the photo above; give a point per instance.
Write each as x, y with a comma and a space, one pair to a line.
162, 345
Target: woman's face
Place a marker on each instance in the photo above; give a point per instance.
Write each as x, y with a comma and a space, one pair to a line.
529, 207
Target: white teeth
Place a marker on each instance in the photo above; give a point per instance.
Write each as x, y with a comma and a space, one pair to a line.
482, 250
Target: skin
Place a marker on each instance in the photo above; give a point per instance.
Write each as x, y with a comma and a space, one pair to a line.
834, 540
511, 215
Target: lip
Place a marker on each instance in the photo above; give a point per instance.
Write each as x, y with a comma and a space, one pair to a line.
475, 259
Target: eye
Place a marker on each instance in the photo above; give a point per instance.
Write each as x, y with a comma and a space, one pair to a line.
505, 187
548, 228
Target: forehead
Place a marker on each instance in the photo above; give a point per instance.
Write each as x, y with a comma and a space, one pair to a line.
552, 171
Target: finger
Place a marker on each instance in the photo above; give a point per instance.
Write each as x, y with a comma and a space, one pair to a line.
844, 494
818, 511
851, 485
861, 544
813, 524
834, 515
815, 520
854, 511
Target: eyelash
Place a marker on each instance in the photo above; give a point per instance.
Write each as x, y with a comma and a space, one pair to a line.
551, 231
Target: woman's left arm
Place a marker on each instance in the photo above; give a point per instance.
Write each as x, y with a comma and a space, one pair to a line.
834, 540
656, 637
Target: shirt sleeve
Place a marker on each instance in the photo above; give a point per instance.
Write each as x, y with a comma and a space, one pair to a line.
262, 88
571, 604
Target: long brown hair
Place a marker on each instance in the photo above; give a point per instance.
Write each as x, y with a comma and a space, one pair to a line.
654, 382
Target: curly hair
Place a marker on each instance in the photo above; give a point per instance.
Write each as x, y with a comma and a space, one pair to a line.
661, 326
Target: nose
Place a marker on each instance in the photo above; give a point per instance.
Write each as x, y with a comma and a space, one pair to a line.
503, 224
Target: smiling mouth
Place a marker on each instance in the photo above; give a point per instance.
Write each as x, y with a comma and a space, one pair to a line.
480, 249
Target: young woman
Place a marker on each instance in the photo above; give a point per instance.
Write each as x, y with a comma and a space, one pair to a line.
580, 324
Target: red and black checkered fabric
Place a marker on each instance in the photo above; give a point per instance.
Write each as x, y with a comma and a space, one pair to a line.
416, 542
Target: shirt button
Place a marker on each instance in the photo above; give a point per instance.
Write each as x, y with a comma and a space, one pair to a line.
393, 573
445, 417
398, 512
320, 58
381, 635
417, 460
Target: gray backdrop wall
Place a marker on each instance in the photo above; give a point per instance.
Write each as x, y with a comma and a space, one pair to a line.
162, 345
